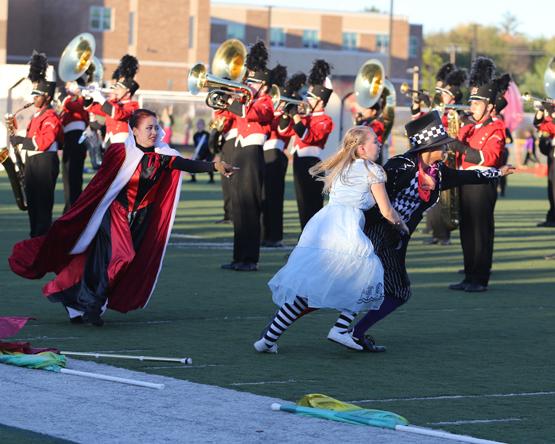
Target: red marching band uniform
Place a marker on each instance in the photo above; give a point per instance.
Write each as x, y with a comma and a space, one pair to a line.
117, 114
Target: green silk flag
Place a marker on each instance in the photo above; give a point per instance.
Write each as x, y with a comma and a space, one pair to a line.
43, 361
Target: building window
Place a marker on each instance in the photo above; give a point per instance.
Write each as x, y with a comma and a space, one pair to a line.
382, 42
235, 31
350, 40
310, 38
191, 32
414, 43
100, 19
277, 37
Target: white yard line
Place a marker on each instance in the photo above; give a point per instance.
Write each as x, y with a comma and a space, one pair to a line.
288, 381
473, 421
185, 236
436, 398
184, 367
221, 246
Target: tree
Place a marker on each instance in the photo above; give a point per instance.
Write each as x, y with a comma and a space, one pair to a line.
509, 24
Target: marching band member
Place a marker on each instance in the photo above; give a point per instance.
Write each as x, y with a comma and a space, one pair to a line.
275, 169
116, 231
310, 133
119, 107
448, 92
544, 121
480, 148
202, 150
75, 120
44, 136
222, 141
253, 120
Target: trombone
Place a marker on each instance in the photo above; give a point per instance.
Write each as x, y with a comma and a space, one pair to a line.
527, 97
228, 67
278, 99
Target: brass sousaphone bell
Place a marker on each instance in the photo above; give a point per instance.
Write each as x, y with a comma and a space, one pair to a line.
228, 71
369, 83
77, 57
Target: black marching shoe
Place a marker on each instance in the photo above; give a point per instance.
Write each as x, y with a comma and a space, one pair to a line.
230, 266
368, 344
94, 318
475, 288
246, 266
461, 286
271, 244
547, 223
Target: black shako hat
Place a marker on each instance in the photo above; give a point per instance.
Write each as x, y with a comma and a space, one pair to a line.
481, 82
294, 86
319, 81
427, 132
256, 62
125, 73
44, 88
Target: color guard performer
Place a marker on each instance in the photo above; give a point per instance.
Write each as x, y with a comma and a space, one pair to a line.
120, 106
253, 120
480, 148
275, 169
310, 134
44, 136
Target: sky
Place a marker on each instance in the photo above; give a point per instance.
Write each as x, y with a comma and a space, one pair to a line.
535, 17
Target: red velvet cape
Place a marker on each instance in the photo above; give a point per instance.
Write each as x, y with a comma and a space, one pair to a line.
63, 249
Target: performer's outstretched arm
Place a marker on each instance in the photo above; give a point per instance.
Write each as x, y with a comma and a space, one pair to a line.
453, 178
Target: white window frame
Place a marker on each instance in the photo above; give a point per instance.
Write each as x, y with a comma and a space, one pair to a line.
101, 14
379, 47
281, 42
312, 44
355, 41
230, 36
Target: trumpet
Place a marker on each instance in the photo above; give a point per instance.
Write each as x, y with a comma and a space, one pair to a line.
421, 94
278, 99
88, 89
456, 107
527, 97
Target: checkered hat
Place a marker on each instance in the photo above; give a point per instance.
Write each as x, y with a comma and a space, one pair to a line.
427, 132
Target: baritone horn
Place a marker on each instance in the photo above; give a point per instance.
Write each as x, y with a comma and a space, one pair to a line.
228, 69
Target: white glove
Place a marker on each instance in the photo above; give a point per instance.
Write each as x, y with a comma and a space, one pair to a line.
97, 96
538, 106
73, 88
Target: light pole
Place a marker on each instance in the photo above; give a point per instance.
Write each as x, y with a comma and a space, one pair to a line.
390, 38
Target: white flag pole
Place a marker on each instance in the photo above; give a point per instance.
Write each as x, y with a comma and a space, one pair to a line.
112, 378
138, 358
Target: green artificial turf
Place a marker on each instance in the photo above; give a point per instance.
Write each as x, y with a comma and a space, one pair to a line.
441, 344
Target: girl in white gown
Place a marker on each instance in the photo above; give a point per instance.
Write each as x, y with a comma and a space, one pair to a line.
334, 264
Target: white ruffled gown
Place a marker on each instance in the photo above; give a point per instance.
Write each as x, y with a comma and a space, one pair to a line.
334, 264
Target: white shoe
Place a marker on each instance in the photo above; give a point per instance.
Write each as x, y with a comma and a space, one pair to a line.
343, 337
261, 347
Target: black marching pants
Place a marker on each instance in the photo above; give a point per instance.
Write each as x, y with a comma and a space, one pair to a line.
477, 228
246, 201
439, 229
307, 189
73, 160
273, 193
550, 216
41, 172
228, 151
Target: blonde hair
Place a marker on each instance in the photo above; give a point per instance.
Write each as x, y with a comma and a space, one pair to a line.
337, 164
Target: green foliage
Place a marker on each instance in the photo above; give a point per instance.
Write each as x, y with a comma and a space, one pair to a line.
523, 57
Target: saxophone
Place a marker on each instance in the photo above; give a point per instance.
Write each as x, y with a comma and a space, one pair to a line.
449, 199
16, 176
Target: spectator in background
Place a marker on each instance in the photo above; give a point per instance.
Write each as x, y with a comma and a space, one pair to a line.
530, 147
167, 122
202, 152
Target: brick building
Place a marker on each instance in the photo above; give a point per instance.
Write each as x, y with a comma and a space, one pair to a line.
169, 36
